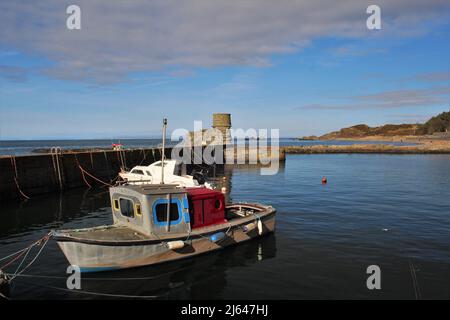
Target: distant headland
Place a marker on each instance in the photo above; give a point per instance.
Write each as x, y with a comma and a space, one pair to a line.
431, 137
438, 127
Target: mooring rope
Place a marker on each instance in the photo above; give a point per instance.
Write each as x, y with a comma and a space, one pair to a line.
144, 153
98, 278
25, 251
23, 260
107, 166
91, 292
15, 176
124, 155
92, 160
85, 181
121, 155
4, 297
82, 173
13, 254
13, 260
93, 177
46, 239
417, 293
85, 172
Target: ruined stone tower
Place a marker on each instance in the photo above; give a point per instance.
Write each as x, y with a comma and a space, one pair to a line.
222, 122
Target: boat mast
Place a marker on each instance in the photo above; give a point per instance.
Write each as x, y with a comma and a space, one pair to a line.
163, 149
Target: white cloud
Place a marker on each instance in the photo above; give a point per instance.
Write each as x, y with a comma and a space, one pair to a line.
443, 76
434, 96
119, 38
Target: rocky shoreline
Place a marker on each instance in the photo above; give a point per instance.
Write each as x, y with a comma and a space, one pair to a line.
424, 146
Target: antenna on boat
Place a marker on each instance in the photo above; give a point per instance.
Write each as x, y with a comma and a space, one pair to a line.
163, 155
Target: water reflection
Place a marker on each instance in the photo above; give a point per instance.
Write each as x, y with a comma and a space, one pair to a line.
222, 176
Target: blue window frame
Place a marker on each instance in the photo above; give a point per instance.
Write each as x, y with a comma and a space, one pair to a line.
187, 218
165, 201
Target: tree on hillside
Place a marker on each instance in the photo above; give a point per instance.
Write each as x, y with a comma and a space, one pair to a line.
439, 123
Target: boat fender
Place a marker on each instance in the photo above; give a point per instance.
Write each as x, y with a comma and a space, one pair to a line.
173, 245
260, 227
217, 236
249, 226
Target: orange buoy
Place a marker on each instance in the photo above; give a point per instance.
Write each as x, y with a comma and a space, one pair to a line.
324, 180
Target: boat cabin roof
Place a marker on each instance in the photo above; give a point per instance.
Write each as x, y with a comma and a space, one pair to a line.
154, 189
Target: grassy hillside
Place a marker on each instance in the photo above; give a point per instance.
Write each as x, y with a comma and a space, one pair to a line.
439, 123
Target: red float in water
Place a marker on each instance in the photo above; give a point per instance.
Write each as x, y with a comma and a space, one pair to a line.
324, 180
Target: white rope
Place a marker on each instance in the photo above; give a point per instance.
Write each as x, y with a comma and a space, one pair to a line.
97, 278
32, 261
414, 280
92, 292
4, 297
23, 259
15, 253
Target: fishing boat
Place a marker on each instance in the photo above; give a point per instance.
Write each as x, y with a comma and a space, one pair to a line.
160, 223
173, 174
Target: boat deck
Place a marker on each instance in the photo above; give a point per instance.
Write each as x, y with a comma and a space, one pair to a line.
236, 214
111, 233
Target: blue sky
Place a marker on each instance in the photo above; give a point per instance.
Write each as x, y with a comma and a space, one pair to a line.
270, 68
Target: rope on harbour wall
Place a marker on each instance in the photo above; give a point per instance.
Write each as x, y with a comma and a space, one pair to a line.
111, 181
84, 172
92, 160
55, 153
119, 157
107, 166
144, 153
15, 177
97, 179
124, 155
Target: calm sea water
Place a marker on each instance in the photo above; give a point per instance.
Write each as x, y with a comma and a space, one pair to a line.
387, 210
24, 147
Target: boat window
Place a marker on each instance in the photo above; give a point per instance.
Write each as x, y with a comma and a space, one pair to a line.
161, 212
126, 207
137, 172
148, 173
137, 209
159, 163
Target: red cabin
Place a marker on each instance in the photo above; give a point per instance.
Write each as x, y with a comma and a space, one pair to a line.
206, 207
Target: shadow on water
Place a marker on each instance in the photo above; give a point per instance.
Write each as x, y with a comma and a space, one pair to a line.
51, 211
